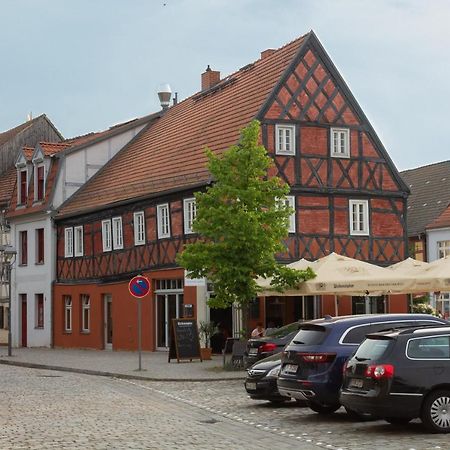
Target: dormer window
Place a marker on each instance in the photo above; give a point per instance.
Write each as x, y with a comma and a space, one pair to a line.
39, 182
23, 186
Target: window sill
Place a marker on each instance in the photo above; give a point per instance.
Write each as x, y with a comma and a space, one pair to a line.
39, 328
67, 332
340, 155
282, 153
85, 332
23, 265
39, 263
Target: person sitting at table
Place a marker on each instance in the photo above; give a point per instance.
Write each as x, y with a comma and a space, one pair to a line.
258, 331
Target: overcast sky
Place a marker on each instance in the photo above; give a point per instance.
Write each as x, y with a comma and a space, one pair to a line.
89, 64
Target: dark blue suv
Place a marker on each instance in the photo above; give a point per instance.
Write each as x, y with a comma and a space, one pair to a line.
312, 364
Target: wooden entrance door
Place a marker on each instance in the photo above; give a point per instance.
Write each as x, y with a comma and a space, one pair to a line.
24, 318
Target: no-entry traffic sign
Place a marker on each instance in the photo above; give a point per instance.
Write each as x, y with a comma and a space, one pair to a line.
139, 286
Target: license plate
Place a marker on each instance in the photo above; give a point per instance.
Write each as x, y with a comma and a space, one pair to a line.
251, 386
356, 383
290, 368
253, 351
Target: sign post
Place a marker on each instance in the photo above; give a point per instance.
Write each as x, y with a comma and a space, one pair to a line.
139, 287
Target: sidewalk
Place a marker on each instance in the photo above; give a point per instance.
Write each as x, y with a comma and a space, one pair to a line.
120, 364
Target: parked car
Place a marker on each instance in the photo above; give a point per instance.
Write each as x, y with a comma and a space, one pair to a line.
312, 364
401, 375
262, 347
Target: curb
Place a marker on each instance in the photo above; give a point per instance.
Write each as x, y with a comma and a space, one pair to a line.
113, 374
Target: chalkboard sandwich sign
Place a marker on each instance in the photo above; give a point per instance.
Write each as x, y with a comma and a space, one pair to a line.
184, 342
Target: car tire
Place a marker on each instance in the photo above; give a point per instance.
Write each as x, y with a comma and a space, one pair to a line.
398, 421
355, 415
323, 409
436, 412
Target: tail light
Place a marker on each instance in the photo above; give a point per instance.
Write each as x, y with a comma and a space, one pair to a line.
265, 348
377, 372
317, 357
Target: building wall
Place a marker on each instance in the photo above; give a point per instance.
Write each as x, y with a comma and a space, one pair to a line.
32, 279
124, 312
433, 237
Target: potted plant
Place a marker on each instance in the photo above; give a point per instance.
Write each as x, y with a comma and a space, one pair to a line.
206, 330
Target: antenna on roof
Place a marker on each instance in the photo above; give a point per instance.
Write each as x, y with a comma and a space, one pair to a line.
29, 116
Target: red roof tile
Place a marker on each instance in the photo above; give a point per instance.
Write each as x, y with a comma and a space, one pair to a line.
171, 152
442, 221
7, 183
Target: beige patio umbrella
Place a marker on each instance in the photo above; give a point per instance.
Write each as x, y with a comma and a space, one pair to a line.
436, 276
337, 274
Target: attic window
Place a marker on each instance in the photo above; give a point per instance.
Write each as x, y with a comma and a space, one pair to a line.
23, 186
39, 182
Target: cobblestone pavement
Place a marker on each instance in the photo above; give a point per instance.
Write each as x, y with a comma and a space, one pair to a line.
336, 431
47, 409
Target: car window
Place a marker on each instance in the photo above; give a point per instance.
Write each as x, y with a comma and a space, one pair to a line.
372, 349
283, 331
433, 347
310, 335
356, 334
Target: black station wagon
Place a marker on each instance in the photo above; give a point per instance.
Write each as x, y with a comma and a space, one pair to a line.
401, 375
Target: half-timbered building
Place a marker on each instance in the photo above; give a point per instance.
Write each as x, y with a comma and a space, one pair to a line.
136, 214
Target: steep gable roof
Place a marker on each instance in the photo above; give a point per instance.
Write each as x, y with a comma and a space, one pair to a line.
170, 154
430, 194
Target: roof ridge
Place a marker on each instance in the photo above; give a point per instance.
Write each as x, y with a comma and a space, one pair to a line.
426, 165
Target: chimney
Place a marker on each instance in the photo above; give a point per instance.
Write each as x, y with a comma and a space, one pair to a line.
210, 78
175, 99
29, 116
164, 94
267, 53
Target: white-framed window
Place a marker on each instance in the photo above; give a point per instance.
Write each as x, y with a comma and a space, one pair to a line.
67, 313
78, 241
106, 235
85, 313
117, 233
139, 228
359, 217
68, 242
340, 142
443, 249
190, 211
39, 310
163, 219
290, 201
285, 139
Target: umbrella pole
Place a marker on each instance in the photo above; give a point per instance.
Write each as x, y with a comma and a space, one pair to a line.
336, 312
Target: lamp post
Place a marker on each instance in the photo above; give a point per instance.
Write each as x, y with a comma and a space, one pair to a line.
7, 254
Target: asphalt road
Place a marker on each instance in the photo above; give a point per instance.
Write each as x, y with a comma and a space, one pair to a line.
45, 409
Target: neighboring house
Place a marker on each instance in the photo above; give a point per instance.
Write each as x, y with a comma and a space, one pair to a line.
11, 142
430, 196
429, 218
47, 175
438, 245
136, 213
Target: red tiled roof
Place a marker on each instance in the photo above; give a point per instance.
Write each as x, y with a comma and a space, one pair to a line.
442, 221
28, 152
7, 183
50, 148
171, 153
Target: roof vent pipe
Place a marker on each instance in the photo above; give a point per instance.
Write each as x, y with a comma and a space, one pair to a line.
164, 94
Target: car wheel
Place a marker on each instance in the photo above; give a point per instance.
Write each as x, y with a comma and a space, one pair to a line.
397, 420
355, 415
436, 412
323, 409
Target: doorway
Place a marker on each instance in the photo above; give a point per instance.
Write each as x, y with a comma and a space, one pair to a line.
169, 303
23, 307
108, 322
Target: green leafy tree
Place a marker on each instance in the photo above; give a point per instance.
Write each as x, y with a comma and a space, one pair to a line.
242, 220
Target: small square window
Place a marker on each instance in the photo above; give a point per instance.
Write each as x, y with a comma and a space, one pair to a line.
340, 142
359, 217
443, 249
285, 139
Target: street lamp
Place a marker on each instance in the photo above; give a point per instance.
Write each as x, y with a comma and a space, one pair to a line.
7, 254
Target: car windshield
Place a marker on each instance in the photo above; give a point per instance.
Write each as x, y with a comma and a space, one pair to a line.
372, 349
283, 331
310, 335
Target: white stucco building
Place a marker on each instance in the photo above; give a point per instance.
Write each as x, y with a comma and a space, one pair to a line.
47, 175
